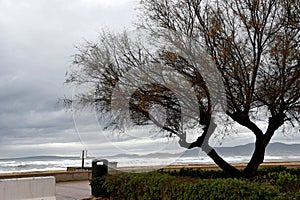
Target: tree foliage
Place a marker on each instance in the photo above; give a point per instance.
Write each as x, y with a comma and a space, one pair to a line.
241, 56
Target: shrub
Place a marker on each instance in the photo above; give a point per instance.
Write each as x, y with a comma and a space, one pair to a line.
98, 187
286, 181
267, 170
163, 186
203, 174
137, 186
295, 171
200, 184
229, 189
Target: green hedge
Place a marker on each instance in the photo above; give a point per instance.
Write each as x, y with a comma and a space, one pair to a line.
98, 187
278, 169
163, 186
196, 173
230, 189
212, 174
137, 186
270, 182
286, 180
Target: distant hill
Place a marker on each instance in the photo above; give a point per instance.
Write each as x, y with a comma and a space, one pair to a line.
36, 158
283, 149
273, 149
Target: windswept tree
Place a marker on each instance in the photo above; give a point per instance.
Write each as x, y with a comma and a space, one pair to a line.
204, 60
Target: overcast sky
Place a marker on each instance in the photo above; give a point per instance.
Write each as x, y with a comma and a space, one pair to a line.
37, 41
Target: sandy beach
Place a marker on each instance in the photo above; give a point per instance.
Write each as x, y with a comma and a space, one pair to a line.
141, 169
199, 166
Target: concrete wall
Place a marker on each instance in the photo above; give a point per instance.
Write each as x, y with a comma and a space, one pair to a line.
28, 188
73, 176
60, 176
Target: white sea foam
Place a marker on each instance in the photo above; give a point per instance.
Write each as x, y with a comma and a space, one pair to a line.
23, 165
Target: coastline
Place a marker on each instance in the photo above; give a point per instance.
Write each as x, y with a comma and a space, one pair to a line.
85, 174
292, 164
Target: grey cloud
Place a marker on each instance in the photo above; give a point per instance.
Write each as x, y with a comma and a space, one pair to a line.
29, 109
38, 38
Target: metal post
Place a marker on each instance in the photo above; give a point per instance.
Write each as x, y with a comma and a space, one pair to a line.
82, 159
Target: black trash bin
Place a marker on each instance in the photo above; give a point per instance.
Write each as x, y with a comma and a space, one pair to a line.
99, 168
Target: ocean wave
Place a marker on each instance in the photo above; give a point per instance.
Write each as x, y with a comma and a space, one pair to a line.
61, 164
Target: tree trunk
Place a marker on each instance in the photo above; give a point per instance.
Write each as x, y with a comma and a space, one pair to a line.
257, 159
261, 145
225, 166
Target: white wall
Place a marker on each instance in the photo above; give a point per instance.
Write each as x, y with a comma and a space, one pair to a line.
28, 188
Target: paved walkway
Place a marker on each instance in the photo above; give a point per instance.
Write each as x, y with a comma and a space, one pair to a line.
73, 190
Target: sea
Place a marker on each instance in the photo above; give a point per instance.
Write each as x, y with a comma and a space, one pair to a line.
276, 152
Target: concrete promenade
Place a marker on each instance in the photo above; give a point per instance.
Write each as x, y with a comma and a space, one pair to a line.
73, 190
